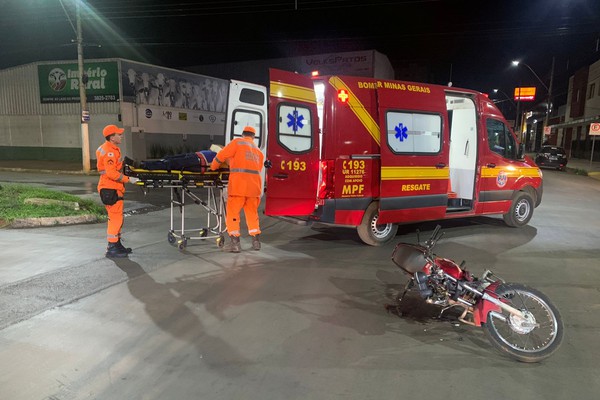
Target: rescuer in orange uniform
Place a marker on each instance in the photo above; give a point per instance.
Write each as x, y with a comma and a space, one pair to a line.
112, 188
245, 186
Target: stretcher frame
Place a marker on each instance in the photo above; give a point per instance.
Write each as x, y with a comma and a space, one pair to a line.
181, 185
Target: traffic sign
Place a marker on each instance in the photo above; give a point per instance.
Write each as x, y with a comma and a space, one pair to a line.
595, 128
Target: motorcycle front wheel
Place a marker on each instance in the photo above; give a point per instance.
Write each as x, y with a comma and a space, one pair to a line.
532, 338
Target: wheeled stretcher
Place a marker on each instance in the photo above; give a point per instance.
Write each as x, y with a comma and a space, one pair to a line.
189, 184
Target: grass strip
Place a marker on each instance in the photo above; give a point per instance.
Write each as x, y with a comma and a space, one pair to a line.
13, 206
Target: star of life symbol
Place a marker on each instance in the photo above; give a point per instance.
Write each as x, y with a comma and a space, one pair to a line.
401, 132
295, 121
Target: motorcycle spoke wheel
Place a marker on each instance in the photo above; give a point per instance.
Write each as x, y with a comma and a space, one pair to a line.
532, 338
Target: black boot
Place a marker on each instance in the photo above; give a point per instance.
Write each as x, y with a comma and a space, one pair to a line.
233, 246
113, 251
255, 242
123, 248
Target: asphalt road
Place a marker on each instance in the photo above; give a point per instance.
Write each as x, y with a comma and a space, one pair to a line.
302, 319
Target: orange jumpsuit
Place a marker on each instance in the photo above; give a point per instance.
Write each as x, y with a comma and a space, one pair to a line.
110, 167
245, 183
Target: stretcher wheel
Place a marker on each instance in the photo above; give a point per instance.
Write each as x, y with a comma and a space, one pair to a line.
171, 238
203, 232
181, 244
221, 241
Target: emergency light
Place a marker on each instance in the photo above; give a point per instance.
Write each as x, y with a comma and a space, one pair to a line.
343, 95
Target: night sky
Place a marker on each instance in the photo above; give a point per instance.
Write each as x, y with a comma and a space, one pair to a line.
470, 43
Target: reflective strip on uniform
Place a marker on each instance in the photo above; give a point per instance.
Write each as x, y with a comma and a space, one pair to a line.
217, 160
102, 172
101, 150
246, 143
120, 178
234, 233
253, 231
112, 236
248, 171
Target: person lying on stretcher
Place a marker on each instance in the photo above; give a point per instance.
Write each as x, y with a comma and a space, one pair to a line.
192, 162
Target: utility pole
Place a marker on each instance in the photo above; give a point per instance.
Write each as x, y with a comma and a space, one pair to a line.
549, 94
85, 115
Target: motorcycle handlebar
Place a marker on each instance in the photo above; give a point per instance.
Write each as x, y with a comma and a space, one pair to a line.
435, 236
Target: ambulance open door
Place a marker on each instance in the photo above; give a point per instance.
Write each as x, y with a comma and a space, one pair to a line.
293, 145
247, 106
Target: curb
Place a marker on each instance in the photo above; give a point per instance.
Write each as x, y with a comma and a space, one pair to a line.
52, 221
49, 171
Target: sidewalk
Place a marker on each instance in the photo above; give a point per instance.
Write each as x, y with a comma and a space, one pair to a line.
592, 169
62, 167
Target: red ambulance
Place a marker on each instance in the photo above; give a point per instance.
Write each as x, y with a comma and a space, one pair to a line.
371, 154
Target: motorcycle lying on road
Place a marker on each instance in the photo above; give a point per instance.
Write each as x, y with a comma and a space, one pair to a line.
518, 320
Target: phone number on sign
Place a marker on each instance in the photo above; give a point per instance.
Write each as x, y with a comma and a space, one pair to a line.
104, 97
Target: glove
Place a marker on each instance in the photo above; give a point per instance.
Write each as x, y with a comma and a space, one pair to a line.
133, 179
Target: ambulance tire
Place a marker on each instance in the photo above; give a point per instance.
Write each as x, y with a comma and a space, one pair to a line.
371, 232
521, 210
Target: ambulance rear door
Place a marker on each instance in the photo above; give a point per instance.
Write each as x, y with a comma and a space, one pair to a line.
247, 106
293, 146
414, 152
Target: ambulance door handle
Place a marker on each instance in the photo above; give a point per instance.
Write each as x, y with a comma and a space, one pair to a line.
280, 176
491, 165
440, 165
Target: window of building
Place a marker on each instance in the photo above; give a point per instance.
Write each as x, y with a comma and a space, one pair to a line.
592, 90
411, 132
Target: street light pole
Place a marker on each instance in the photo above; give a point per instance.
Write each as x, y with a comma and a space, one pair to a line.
548, 88
85, 136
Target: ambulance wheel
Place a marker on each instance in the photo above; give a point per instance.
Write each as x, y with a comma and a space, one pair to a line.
521, 210
171, 238
371, 232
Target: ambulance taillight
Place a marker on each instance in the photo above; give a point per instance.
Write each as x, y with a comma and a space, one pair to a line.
325, 180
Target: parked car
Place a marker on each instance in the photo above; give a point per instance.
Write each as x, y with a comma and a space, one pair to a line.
551, 157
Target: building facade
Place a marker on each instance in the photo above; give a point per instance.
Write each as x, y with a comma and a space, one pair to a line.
582, 109
162, 110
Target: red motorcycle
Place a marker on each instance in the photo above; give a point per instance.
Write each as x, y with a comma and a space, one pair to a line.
518, 320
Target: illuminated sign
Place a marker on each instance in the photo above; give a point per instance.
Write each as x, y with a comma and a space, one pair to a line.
524, 93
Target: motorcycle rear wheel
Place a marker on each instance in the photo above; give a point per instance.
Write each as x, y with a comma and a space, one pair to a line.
531, 339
